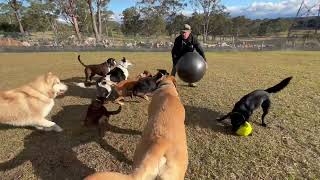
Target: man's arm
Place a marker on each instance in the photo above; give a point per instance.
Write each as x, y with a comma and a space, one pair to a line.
198, 47
175, 51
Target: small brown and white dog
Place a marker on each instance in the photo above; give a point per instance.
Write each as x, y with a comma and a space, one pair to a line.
162, 151
28, 105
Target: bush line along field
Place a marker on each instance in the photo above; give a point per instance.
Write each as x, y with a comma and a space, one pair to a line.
288, 148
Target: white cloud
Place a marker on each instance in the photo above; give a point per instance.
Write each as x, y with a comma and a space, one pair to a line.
116, 17
285, 8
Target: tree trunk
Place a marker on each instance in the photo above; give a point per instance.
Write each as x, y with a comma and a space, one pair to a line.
76, 28
94, 24
19, 21
99, 17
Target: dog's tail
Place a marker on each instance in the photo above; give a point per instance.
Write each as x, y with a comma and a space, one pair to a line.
115, 112
149, 167
279, 86
81, 61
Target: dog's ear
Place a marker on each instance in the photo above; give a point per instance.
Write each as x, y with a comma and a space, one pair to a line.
109, 61
163, 71
173, 79
49, 78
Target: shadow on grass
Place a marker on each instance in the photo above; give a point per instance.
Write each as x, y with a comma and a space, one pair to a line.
76, 91
206, 118
51, 154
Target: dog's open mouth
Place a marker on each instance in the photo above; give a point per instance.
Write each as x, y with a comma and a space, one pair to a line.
61, 92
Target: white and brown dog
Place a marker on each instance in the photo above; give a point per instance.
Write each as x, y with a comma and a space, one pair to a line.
162, 151
28, 105
118, 73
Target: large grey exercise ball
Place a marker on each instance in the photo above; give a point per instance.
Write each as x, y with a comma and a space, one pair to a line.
191, 67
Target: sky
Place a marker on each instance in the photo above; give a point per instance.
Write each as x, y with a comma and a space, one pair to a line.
253, 9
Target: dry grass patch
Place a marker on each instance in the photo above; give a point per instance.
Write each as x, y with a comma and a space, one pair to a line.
288, 149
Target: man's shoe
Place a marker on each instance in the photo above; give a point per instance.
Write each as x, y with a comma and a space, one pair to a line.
192, 85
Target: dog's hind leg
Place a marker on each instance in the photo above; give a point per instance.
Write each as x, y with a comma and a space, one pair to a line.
48, 125
224, 117
118, 101
91, 76
265, 107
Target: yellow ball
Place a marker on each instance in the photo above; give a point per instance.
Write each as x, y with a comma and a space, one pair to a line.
245, 129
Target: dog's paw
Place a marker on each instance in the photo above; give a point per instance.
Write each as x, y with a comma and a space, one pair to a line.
120, 103
146, 98
264, 125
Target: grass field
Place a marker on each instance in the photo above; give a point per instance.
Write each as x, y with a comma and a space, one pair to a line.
288, 148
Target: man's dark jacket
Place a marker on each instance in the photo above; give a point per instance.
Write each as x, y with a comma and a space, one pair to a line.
181, 46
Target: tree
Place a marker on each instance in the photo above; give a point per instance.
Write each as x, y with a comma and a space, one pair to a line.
93, 21
41, 16
152, 22
195, 21
220, 24
239, 26
131, 21
15, 5
100, 5
69, 11
175, 22
163, 7
108, 25
208, 8
6, 15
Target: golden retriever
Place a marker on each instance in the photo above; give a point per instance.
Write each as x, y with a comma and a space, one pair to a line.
162, 151
28, 105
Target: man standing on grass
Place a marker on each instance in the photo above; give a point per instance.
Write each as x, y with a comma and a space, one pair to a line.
184, 43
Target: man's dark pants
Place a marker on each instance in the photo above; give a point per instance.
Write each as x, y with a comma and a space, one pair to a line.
174, 69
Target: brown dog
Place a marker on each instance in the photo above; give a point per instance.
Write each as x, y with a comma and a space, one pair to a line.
120, 90
28, 105
144, 74
100, 69
162, 152
97, 112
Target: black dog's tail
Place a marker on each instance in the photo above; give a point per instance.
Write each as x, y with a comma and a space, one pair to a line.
115, 112
279, 86
81, 61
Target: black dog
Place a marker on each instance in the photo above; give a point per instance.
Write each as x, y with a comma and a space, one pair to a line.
147, 85
99, 69
96, 111
244, 108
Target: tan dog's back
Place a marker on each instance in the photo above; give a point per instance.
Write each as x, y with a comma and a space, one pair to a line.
165, 129
162, 151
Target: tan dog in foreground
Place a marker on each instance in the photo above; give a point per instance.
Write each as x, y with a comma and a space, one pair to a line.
162, 152
28, 105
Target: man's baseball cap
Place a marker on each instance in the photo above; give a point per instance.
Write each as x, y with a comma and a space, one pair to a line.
186, 28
